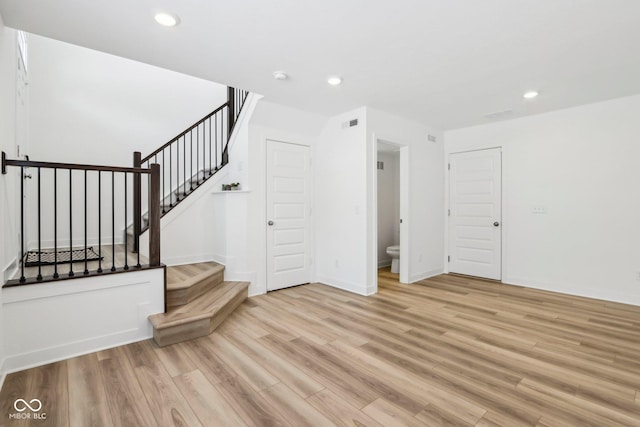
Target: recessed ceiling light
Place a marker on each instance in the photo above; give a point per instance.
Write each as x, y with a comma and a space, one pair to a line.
280, 75
334, 80
166, 19
530, 95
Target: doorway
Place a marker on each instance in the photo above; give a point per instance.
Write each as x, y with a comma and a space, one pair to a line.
475, 213
288, 214
392, 240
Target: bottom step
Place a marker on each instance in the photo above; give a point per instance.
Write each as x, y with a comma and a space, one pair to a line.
201, 316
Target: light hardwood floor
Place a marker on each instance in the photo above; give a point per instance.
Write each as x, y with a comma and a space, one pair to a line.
447, 351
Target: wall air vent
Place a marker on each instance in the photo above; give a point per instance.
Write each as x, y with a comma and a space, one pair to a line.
350, 124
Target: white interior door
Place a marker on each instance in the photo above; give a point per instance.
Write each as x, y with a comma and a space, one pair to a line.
288, 215
475, 215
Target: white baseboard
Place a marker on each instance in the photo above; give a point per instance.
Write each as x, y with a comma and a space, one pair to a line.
569, 289
425, 275
10, 270
20, 362
3, 375
384, 263
355, 288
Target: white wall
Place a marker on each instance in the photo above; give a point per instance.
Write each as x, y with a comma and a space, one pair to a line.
581, 164
422, 231
90, 107
8, 250
211, 225
341, 196
272, 122
54, 321
388, 205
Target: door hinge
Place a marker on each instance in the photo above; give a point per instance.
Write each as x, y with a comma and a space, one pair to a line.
448, 212
448, 258
449, 166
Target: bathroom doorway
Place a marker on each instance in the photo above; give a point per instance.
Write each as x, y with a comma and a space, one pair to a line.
392, 199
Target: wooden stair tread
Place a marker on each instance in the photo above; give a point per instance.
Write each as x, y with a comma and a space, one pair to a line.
182, 277
204, 306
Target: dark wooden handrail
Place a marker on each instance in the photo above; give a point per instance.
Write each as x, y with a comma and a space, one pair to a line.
183, 133
73, 166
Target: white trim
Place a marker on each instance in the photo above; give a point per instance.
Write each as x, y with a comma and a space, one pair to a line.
345, 285
20, 362
573, 290
384, 263
426, 275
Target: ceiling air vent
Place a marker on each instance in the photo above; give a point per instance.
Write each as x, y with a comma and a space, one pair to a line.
498, 114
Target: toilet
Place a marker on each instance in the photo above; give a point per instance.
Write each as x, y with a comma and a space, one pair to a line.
394, 253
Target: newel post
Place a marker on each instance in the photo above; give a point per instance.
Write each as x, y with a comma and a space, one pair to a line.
231, 115
154, 216
137, 201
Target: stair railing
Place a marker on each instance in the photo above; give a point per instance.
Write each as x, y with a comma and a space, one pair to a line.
72, 207
190, 158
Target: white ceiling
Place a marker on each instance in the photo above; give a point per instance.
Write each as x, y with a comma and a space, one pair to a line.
442, 62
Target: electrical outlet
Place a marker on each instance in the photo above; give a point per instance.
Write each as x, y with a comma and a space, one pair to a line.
337, 264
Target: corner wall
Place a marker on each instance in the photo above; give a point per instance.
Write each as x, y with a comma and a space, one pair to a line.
8, 52
581, 165
341, 209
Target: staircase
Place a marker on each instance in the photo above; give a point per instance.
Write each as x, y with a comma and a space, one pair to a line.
198, 301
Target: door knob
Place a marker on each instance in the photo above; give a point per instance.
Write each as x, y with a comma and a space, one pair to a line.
270, 223
496, 224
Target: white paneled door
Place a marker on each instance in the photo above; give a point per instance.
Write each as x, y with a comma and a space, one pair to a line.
475, 214
288, 215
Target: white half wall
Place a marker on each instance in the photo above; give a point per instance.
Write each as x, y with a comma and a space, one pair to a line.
422, 230
47, 322
581, 166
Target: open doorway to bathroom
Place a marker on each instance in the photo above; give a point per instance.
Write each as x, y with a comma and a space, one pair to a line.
391, 225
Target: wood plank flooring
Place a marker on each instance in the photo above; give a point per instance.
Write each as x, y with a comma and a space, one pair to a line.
447, 351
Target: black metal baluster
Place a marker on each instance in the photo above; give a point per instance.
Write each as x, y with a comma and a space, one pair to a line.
163, 189
190, 161
86, 263
171, 173
22, 260
184, 169
215, 142
71, 273
55, 223
39, 230
178, 170
197, 157
148, 219
113, 221
126, 251
210, 148
99, 221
